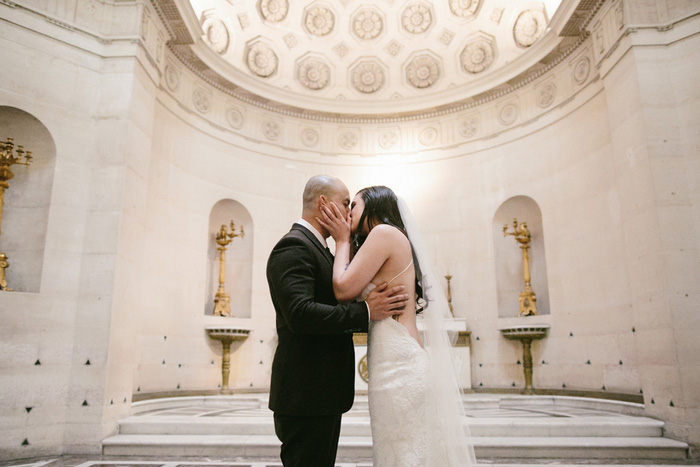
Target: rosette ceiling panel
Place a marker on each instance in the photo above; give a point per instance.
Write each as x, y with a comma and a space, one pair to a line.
383, 57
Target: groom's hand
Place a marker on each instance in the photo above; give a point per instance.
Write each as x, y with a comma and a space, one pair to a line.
384, 302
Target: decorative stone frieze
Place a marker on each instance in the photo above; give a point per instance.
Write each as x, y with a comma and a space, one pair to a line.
201, 100
529, 27
388, 139
367, 24
348, 140
262, 60
367, 76
274, 10
234, 117
428, 136
464, 8
423, 71
313, 74
416, 18
508, 114
319, 21
477, 56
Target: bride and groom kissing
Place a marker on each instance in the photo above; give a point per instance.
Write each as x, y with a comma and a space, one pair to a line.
378, 282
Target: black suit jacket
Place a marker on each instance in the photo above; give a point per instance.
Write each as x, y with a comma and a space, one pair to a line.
313, 372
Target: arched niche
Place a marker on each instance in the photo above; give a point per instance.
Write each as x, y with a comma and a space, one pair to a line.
27, 200
509, 258
239, 257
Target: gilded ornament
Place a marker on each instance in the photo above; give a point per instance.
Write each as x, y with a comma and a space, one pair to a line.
234, 117
274, 10
423, 71
477, 56
314, 74
363, 369
581, 70
416, 18
527, 298
262, 60
508, 114
367, 77
464, 8
319, 21
367, 24
546, 95
222, 299
272, 130
309, 137
201, 100
529, 27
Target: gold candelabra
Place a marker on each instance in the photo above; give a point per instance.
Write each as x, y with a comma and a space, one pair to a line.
449, 293
222, 300
9, 156
527, 298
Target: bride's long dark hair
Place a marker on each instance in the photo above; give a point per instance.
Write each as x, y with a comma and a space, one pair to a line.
382, 207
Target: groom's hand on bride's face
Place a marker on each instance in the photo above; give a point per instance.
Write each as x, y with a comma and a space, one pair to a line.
384, 302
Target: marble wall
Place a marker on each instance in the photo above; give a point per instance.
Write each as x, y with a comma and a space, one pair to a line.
120, 307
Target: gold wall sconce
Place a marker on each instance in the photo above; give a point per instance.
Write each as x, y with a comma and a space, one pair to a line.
222, 300
527, 298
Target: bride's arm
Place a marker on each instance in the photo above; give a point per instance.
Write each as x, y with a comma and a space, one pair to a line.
351, 278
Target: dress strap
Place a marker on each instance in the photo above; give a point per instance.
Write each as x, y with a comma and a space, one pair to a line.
406, 269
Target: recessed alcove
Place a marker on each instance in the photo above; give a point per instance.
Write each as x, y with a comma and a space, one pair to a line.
509, 259
27, 200
239, 257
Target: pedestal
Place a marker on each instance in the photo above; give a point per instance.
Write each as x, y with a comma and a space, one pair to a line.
526, 334
227, 335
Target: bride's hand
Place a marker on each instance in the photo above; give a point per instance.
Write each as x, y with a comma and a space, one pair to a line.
337, 224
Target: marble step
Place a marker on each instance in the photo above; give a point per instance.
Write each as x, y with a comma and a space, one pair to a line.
359, 426
360, 447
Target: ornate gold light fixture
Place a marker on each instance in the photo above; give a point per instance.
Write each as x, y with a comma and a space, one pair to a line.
9, 156
527, 298
449, 293
222, 300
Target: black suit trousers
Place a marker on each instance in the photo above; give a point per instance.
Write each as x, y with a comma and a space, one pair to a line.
308, 441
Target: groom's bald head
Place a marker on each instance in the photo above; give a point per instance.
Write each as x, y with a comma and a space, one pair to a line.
329, 187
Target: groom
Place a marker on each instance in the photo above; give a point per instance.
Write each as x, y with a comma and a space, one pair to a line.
313, 372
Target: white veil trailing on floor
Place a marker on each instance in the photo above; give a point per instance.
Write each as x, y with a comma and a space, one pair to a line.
445, 416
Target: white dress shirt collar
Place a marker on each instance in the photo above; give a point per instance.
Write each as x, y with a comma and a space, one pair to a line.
313, 230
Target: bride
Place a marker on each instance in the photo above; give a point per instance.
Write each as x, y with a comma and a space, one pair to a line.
415, 406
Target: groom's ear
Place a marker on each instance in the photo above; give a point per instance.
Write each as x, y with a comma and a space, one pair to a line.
322, 201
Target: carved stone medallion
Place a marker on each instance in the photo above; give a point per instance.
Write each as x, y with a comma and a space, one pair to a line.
469, 126
262, 60
319, 21
508, 113
423, 71
367, 77
347, 140
464, 8
529, 27
416, 18
546, 95
234, 117
309, 137
428, 136
216, 35
201, 100
272, 130
367, 24
314, 74
388, 140
274, 10
581, 70
477, 56
172, 78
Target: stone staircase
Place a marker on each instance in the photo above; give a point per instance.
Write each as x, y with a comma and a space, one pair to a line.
502, 427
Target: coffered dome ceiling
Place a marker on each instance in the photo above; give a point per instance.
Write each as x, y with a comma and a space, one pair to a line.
371, 58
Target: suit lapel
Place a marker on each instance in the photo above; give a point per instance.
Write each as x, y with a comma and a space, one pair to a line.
312, 238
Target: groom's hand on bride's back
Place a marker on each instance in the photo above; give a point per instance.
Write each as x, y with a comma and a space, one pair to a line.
386, 301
